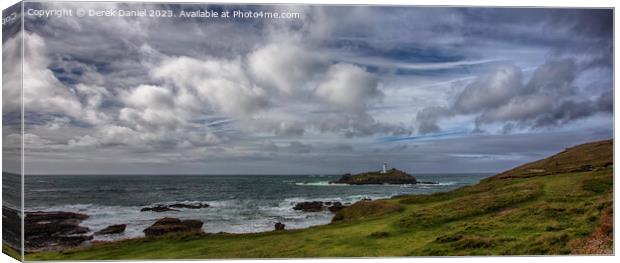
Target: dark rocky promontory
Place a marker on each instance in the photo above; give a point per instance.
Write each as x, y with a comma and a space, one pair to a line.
391, 176
190, 206
168, 225
44, 230
318, 206
113, 229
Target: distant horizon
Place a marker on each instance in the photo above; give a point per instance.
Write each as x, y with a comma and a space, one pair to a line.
308, 174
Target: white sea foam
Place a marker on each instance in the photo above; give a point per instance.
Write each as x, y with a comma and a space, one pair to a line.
232, 216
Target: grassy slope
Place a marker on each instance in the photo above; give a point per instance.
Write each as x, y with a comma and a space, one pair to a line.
11, 252
554, 212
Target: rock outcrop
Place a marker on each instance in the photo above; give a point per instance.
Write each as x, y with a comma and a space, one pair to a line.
113, 229
54, 229
279, 226
392, 176
314, 206
318, 206
335, 207
168, 225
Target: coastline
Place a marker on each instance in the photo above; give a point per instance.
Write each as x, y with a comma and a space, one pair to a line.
500, 215
253, 210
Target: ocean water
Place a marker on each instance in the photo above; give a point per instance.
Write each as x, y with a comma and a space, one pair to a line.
239, 203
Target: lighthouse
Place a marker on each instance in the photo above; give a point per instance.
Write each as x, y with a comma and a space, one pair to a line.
384, 171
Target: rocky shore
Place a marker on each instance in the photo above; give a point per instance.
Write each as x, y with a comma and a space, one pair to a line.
54, 230
59, 230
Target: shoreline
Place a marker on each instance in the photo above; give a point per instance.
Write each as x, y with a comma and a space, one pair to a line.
106, 239
359, 223
237, 216
359, 212
95, 241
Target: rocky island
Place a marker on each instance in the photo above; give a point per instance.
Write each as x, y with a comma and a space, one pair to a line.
385, 176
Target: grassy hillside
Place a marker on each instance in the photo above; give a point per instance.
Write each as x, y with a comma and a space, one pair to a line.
567, 209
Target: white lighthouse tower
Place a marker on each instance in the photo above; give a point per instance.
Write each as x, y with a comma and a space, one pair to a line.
384, 171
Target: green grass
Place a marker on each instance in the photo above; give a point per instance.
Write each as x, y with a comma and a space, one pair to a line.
11, 252
531, 216
547, 214
367, 209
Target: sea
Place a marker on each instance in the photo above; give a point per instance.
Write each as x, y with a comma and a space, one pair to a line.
238, 203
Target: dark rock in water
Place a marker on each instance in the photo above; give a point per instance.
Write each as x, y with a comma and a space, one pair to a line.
392, 176
44, 230
190, 206
167, 208
314, 206
279, 226
158, 208
318, 206
113, 229
335, 207
427, 182
170, 225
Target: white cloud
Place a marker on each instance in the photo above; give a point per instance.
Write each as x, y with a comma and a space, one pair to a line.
11, 74
349, 87
220, 84
43, 92
285, 66
150, 108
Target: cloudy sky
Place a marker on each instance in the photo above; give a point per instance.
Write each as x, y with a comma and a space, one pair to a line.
341, 89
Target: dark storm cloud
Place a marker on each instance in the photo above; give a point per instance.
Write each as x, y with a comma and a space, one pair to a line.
605, 102
315, 94
548, 98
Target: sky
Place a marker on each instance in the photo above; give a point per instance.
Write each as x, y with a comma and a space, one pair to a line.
339, 89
